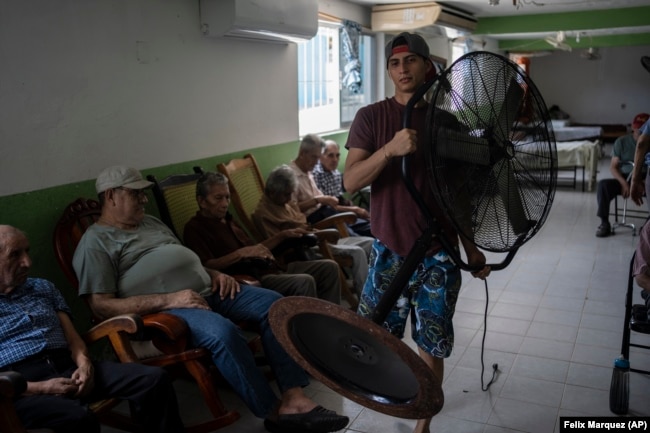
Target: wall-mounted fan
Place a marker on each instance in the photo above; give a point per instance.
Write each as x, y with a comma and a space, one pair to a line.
558, 41
492, 161
590, 54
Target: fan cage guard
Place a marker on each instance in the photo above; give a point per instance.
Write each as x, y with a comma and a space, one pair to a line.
491, 152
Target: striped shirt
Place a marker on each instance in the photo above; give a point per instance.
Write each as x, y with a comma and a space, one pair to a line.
28, 321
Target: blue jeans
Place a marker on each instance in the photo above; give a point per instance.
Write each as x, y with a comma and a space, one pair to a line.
216, 331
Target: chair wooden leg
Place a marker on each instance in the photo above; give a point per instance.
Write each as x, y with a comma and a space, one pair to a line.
206, 382
347, 291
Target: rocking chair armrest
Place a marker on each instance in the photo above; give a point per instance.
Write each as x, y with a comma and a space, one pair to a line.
124, 323
247, 279
12, 384
170, 326
340, 221
331, 236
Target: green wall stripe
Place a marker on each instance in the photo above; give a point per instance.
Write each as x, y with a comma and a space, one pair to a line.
585, 42
589, 20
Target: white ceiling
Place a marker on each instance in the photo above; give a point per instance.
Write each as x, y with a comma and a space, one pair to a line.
482, 8
512, 8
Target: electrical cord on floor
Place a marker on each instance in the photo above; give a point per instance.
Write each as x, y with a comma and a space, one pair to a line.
495, 366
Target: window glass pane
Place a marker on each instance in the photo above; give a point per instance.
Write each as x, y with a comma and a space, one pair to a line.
318, 82
324, 103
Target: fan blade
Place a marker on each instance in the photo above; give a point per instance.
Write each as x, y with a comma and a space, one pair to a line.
508, 112
461, 146
509, 193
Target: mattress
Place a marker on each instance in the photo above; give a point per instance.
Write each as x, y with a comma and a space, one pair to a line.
580, 153
574, 133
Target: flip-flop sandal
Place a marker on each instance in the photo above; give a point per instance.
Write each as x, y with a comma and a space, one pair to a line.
317, 420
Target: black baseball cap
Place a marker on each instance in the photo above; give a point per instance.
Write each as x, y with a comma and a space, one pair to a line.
407, 42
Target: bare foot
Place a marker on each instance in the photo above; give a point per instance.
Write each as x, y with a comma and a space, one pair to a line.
295, 401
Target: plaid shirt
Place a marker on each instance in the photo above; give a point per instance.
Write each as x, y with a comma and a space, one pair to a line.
329, 182
28, 321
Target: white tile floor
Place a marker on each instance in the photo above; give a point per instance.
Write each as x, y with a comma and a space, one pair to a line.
554, 326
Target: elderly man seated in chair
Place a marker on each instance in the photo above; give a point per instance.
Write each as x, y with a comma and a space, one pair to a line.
130, 262
277, 212
39, 341
329, 179
315, 204
621, 166
222, 244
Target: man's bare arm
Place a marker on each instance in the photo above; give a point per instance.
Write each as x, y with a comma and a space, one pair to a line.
105, 306
637, 185
362, 167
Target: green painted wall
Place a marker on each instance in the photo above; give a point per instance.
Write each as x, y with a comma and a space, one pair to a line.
37, 212
570, 21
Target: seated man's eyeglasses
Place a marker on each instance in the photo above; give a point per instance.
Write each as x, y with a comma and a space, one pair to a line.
135, 193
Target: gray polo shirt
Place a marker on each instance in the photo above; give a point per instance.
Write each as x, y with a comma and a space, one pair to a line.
143, 261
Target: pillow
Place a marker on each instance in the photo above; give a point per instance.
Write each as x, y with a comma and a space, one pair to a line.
560, 123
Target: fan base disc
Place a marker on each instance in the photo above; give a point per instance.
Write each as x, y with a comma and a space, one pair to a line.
356, 357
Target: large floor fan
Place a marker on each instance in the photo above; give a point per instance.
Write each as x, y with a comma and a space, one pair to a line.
493, 167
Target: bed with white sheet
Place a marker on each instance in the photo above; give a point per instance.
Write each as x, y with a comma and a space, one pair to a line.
575, 133
579, 155
563, 131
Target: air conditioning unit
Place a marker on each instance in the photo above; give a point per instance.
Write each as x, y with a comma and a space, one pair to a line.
280, 21
413, 16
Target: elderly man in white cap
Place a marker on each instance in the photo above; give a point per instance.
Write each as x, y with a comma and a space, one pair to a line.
130, 262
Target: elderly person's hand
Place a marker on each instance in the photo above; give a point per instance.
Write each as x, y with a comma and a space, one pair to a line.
256, 251
327, 200
227, 286
293, 233
187, 298
84, 378
361, 212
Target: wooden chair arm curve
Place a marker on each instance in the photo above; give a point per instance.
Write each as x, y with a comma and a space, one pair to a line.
128, 323
12, 384
328, 235
334, 220
247, 279
172, 327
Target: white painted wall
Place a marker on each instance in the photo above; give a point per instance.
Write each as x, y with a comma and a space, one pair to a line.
610, 90
86, 84
89, 83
